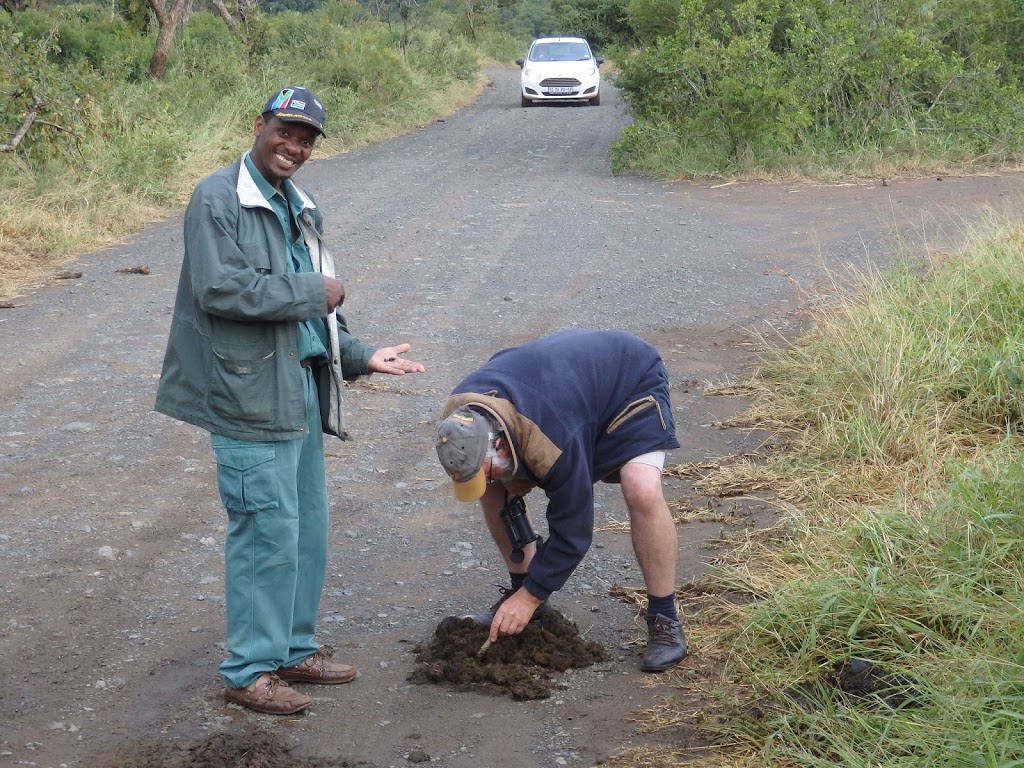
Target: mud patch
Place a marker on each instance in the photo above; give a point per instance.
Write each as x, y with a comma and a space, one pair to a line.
851, 682
521, 665
242, 749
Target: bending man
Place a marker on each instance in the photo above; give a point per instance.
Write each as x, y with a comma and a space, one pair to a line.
562, 413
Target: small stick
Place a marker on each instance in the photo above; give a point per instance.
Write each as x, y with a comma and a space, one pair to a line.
483, 648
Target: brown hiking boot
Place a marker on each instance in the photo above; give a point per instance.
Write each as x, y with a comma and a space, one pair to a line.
269, 694
318, 668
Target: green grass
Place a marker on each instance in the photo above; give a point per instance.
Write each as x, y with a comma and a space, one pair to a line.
143, 145
904, 535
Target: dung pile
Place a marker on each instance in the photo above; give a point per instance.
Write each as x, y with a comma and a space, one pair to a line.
521, 665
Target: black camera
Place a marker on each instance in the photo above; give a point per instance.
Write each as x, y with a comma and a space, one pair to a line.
518, 527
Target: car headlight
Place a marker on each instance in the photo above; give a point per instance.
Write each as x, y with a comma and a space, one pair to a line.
528, 72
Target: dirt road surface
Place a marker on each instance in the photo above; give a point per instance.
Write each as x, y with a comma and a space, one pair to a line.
494, 226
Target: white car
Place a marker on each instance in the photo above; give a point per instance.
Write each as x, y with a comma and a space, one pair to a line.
560, 69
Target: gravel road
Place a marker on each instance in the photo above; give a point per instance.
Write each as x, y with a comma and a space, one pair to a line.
496, 225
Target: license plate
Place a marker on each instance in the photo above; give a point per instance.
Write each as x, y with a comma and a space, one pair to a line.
559, 90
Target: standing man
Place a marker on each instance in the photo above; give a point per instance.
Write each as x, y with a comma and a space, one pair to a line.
257, 355
562, 413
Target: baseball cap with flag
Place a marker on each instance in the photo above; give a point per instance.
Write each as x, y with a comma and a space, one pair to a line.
461, 446
296, 104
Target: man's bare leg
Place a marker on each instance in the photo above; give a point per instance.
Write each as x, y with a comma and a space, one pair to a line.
655, 543
652, 530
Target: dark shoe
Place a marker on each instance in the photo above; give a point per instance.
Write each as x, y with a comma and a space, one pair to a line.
318, 668
666, 644
269, 694
506, 593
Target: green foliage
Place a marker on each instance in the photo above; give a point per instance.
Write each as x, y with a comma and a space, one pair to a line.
905, 373
502, 46
117, 148
987, 31
255, 33
445, 58
600, 21
376, 74
361, 61
917, 377
528, 19
341, 13
295, 6
210, 49
86, 37
293, 34
136, 14
30, 79
773, 81
650, 19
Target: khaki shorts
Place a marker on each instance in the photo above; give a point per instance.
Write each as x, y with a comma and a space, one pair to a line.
653, 459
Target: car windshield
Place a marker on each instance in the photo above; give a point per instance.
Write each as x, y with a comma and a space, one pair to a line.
560, 52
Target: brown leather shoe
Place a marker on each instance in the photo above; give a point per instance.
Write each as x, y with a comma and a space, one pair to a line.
269, 694
319, 668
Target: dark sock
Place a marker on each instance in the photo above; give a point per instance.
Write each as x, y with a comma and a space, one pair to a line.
666, 606
517, 580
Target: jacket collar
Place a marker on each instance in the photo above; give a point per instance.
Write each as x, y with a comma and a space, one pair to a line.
249, 194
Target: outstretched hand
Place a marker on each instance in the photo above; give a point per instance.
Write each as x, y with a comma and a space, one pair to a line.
513, 615
390, 360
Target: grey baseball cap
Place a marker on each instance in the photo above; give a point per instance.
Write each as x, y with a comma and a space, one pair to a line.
461, 445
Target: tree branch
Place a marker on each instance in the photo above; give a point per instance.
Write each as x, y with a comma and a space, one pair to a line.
61, 128
30, 118
222, 10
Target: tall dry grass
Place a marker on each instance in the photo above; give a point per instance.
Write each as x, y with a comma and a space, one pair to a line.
142, 145
903, 543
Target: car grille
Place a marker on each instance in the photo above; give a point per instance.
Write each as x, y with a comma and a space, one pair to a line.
556, 82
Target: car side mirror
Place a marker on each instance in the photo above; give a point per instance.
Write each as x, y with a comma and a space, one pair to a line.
520, 62
599, 61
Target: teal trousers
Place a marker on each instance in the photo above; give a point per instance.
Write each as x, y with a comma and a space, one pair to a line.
275, 551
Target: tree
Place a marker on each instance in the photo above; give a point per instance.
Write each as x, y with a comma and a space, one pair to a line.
600, 21
34, 99
167, 19
225, 14
382, 8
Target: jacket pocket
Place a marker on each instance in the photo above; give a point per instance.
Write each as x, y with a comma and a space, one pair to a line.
243, 385
257, 254
634, 409
246, 477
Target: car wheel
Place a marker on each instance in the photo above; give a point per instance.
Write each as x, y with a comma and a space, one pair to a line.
596, 101
527, 102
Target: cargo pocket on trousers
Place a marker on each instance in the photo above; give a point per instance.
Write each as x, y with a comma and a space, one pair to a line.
246, 478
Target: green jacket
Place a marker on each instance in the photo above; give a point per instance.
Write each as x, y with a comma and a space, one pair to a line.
231, 363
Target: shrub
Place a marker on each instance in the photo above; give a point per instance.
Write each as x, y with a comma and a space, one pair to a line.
445, 58
600, 21
376, 74
650, 19
777, 79
209, 49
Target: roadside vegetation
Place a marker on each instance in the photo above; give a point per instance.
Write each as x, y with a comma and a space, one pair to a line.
94, 146
778, 88
112, 111
882, 622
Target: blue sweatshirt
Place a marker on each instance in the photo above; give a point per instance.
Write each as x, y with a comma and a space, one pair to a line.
576, 406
